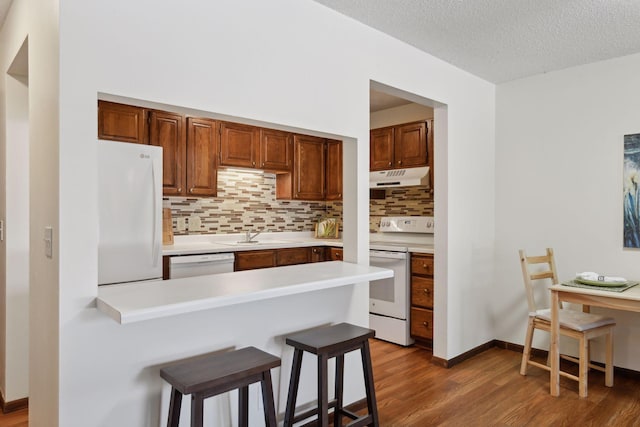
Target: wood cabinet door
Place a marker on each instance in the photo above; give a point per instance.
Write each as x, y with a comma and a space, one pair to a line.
167, 131
410, 145
251, 260
334, 170
430, 152
239, 145
422, 291
276, 150
292, 256
309, 168
381, 147
421, 323
422, 265
201, 157
318, 254
119, 122
335, 254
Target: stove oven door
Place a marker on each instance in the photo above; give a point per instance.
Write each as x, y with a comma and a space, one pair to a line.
389, 297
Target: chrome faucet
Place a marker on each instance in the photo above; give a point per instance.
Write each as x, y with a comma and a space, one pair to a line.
248, 237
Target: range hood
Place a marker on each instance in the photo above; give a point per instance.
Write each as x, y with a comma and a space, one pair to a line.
399, 177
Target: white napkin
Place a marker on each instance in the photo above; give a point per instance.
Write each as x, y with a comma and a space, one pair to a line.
595, 277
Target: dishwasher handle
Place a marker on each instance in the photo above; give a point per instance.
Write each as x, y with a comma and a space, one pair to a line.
205, 258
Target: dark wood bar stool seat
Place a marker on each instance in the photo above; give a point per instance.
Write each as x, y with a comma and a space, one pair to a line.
327, 342
215, 374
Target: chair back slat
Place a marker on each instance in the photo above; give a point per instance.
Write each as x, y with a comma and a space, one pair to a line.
529, 276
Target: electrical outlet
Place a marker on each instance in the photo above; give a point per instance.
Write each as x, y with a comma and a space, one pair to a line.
181, 223
194, 223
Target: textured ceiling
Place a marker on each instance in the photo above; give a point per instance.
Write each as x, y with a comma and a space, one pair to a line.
503, 40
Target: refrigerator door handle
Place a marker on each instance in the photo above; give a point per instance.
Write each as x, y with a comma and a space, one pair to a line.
154, 246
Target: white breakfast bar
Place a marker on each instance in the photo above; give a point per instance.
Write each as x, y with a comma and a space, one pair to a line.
165, 321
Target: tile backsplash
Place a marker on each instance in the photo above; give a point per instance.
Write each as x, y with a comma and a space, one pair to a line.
400, 201
246, 200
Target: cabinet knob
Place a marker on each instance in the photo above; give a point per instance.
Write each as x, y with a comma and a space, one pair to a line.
253, 163
180, 190
389, 163
426, 324
424, 265
426, 291
191, 190
399, 162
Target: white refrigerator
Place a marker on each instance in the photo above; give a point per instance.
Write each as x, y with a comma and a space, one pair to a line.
129, 212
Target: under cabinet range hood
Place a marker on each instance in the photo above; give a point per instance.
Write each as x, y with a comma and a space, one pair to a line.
399, 177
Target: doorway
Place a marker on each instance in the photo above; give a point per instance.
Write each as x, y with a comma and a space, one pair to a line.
14, 237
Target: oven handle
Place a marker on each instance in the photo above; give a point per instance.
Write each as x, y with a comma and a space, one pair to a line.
387, 254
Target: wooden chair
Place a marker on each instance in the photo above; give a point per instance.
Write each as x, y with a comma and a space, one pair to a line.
580, 325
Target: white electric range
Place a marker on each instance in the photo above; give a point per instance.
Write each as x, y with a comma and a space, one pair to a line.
389, 299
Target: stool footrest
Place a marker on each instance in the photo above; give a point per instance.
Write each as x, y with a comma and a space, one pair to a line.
349, 414
362, 421
311, 412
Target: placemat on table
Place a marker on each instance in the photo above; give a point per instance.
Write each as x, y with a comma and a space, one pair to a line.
575, 284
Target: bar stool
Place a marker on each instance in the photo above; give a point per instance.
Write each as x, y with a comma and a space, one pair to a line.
327, 342
211, 375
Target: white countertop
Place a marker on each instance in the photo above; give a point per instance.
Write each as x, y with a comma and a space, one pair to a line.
200, 244
138, 301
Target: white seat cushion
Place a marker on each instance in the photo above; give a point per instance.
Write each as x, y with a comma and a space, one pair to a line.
577, 320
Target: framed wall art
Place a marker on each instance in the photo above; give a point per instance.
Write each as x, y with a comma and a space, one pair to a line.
631, 191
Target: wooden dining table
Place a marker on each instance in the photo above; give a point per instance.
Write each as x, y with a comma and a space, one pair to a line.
628, 300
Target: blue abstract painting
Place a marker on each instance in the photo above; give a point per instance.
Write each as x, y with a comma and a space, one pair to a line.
631, 189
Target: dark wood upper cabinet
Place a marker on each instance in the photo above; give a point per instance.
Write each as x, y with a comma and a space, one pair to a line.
167, 130
276, 150
309, 168
239, 145
401, 146
202, 144
411, 145
334, 170
317, 170
119, 122
381, 147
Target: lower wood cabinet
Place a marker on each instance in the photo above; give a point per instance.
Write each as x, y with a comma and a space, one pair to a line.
250, 260
421, 323
422, 299
335, 254
292, 256
318, 254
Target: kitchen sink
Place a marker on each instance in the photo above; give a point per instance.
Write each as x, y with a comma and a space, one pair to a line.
255, 243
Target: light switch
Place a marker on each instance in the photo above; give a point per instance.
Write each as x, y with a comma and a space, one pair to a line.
48, 241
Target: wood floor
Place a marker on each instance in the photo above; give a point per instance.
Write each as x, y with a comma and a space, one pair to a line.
486, 390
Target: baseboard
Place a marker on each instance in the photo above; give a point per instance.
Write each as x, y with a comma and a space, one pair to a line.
448, 363
14, 405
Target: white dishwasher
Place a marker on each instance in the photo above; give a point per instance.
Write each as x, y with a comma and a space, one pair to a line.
200, 265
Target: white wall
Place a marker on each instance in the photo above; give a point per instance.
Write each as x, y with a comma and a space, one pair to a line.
559, 152
397, 115
16, 385
287, 62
